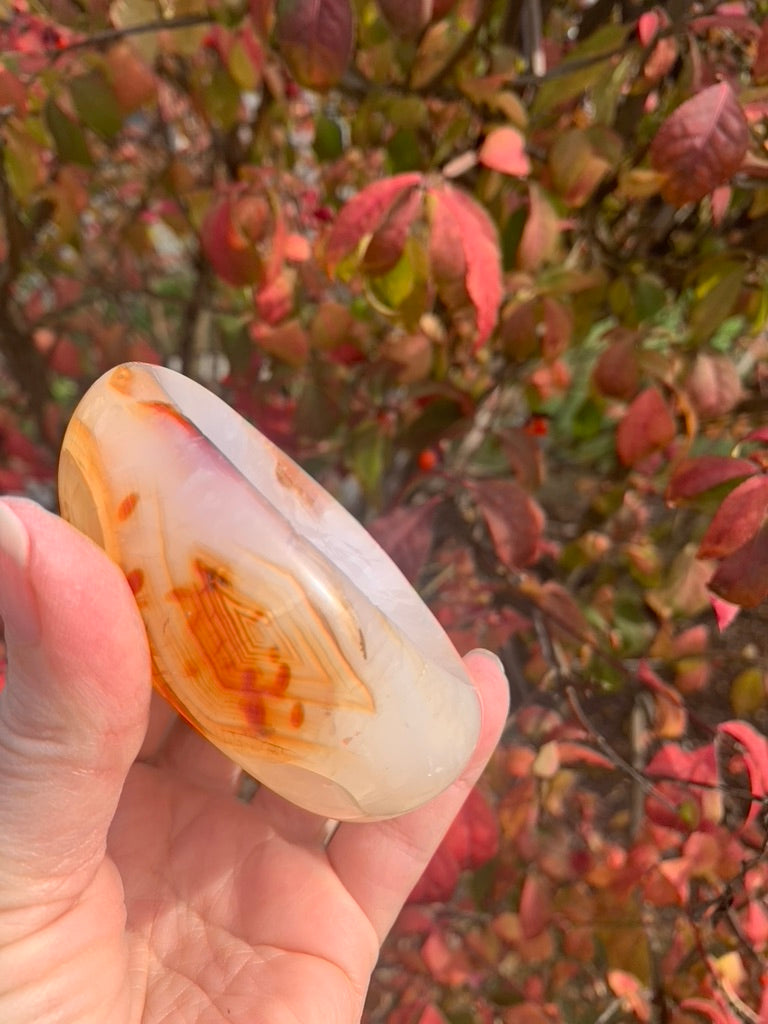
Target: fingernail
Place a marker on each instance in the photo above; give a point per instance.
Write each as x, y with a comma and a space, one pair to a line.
481, 652
18, 605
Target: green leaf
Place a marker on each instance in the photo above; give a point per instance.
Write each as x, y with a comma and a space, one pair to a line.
718, 296
68, 137
24, 165
588, 68
368, 457
329, 141
404, 151
96, 104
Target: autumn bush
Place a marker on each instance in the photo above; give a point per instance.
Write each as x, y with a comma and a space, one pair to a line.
495, 273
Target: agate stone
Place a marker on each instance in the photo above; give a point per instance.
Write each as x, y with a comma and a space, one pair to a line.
278, 628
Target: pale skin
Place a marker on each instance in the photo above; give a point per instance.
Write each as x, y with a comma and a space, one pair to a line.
134, 885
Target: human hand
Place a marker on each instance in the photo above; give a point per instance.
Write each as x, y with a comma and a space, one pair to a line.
134, 885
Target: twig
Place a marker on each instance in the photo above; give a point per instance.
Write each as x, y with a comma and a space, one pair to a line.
114, 35
611, 754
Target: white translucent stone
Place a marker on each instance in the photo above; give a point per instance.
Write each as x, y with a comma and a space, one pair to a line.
278, 627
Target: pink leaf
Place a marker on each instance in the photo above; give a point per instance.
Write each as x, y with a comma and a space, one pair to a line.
725, 612
701, 145
738, 519
515, 522
504, 150
709, 1009
541, 234
756, 758
431, 1015
647, 425
363, 214
695, 476
714, 386
481, 254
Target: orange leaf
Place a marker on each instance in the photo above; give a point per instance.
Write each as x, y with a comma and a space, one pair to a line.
541, 234
504, 150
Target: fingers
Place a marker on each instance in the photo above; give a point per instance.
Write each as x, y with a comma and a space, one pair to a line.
74, 709
380, 863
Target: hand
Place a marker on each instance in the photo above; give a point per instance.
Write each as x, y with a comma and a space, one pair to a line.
134, 885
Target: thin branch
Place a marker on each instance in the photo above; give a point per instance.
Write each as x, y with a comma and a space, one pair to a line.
611, 754
114, 35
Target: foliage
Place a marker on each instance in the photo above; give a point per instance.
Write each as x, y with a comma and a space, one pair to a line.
495, 272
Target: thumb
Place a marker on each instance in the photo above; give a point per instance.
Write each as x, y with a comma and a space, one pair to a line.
74, 708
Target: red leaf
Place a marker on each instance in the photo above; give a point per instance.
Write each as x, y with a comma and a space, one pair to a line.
695, 476
759, 434
695, 793
756, 758
760, 66
316, 38
579, 754
535, 906
515, 522
707, 1008
701, 145
714, 386
738, 519
405, 533
617, 371
363, 214
386, 246
647, 425
431, 1015
504, 150
481, 254
471, 841
561, 610
230, 236
742, 578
